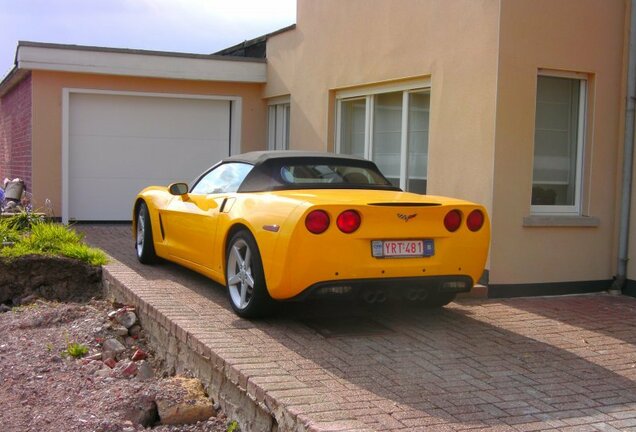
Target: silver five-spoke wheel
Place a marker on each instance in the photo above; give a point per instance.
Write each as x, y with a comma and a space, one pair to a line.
246, 285
239, 274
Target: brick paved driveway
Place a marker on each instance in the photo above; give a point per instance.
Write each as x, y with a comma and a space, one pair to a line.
564, 363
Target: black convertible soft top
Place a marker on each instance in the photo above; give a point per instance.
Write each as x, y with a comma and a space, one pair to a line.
258, 157
266, 174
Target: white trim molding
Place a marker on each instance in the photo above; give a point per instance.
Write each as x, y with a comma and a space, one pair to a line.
152, 64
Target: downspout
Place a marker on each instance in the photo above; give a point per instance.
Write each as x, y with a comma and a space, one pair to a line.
628, 158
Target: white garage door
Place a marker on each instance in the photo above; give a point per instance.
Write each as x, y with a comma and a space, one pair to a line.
119, 144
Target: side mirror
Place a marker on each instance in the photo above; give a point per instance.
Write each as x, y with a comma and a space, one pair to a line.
178, 188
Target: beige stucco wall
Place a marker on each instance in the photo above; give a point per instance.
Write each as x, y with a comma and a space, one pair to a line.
340, 45
567, 35
482, 57
47, 117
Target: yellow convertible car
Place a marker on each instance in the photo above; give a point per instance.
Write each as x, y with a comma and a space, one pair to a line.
286, 225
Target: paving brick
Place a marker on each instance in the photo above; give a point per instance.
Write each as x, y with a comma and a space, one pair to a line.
561, 363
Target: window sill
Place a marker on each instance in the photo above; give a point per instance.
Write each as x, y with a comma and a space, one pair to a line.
561, 221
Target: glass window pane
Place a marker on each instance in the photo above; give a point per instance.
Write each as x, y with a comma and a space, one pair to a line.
556, 141
223, 179
387, 127
271, 127
419, 108
352, 121
287, 109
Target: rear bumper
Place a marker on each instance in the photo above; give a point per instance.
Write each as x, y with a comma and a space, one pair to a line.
402, 287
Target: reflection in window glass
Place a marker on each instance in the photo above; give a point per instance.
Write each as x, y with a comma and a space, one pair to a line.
387, 127
419, 107
352, 127
383, 136
333, 175
223, 179
556, 143
278, 126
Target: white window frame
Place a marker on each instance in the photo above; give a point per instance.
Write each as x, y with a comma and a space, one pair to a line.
575, 209
368, 93
277, 123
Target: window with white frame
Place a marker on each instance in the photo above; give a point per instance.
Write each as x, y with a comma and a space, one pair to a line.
278, 126
388, 125
558, 145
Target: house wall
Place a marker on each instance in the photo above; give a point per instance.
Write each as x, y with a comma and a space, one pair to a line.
47, 117
482, 57
584, 36
339, 45
15, 133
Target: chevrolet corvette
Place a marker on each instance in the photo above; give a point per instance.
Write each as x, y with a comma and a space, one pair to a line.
286, 225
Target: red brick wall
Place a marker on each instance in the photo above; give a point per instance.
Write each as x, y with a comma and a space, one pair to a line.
15, 133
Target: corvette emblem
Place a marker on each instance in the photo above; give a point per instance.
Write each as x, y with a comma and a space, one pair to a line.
406, 218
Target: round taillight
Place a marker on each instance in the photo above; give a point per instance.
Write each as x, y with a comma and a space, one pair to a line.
348, 221
475, 220
453, 220
317, 221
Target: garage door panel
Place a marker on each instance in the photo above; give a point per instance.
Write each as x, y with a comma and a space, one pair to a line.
163, 117
106, 198
119, 144
132, 156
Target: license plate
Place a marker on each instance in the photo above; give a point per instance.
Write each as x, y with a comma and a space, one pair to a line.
402, 248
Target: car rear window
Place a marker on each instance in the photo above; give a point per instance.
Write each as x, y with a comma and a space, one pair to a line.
331, 175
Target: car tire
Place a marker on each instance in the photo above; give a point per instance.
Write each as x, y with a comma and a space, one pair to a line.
439, 300
245, 279
144, 245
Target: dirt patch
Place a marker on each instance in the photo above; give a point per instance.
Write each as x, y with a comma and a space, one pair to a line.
52, 278
43, 388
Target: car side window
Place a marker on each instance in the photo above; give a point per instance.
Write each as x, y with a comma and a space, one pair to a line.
224, 178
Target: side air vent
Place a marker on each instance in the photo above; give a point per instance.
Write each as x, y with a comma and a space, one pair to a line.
404, 204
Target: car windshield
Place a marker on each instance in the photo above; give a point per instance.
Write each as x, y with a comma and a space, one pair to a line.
331, 175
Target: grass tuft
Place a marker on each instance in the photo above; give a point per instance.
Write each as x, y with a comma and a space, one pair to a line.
75, 350
47, 238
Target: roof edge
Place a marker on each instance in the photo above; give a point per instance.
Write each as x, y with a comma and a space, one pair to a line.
250, 42
73, 47
139, 63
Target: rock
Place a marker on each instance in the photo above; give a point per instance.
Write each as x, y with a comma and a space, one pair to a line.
120, 330
97, 356
113, 345
145, 371
110, 362
134, 330
188, 409
4, 308
103, 372
127, 319
130, 370
138, 355
129, 341
143, 412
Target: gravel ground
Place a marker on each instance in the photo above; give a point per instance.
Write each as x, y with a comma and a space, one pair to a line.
44, 389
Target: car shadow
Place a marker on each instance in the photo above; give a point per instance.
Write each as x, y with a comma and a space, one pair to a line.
416, 367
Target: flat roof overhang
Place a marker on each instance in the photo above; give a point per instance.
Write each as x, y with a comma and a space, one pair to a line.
129, 62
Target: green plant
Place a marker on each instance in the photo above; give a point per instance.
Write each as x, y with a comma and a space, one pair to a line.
8, 234
233, 426
51, 238
24, 220
74, 349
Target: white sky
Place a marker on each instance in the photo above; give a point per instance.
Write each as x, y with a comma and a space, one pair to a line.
192, 26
